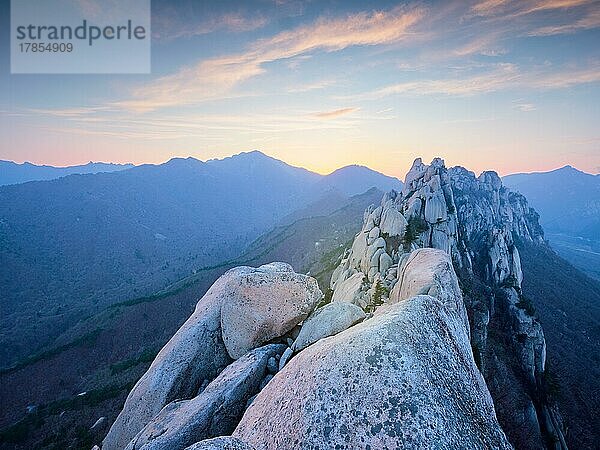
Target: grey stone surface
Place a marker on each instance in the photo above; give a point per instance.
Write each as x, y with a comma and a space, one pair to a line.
403, 379
429, 271
215, 412
327, 321
221, 443
348, 290
194, 354
243, 309
263, 304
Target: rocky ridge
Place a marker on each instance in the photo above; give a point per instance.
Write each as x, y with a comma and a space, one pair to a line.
401, 376
476, 221
393, 356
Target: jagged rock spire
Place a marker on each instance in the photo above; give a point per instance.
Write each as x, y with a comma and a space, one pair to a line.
478, 222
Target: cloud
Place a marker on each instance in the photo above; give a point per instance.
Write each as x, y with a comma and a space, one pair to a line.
217, 77
106, 10
488, 7
316, 85
545, 5
590, 21
70, 112
496, 22
203, 127
525, 107
483, 45
515, 8
564, 79
335, 113
487, 82
379, 27
501, 76
170, 27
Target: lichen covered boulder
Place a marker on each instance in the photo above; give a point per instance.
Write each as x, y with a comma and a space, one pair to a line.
245, 308
213, 412
221, 443
263, 304
403, 379
194, 354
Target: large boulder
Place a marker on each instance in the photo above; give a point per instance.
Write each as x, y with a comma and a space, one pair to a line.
194, 354
359, 249
214, 412
327, 321
263, 304
221, 443
403, 379
392, 222
348, 290
430, 271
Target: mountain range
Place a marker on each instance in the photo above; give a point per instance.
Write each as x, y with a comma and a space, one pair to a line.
568, 201
82, 242
13, 173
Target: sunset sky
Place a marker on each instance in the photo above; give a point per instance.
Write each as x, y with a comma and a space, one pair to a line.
497, 84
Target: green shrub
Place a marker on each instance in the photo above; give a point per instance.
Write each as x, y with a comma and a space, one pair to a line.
416, 226
526, 304
86, 339
326, 298
476, 355
392, 243
510, 281
380, 292
551, 382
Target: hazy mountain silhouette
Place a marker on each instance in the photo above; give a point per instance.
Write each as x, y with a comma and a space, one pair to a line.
13, 173
568, 201
353, 180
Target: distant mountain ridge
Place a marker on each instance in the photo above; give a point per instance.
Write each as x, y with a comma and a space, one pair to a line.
568, 201
349, 180
13, 173
356, 179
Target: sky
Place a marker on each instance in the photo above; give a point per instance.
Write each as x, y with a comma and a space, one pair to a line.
506, 85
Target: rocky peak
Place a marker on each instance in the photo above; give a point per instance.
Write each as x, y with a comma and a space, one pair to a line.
477, 222
473, 219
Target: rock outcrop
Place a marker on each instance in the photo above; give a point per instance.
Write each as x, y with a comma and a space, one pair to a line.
214, 412
327, 321
265, 304
403, 379
207, 342
429, 271
478, 223
194, 354
427, 341
349, 289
